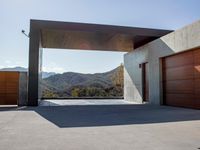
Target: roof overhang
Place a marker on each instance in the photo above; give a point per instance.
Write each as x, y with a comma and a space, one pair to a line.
83, 36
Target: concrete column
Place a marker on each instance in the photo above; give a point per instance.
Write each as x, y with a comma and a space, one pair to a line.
154, 82
35, 59
22, 89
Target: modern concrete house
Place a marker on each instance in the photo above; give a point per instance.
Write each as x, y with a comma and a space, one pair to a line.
172, 66
161, 66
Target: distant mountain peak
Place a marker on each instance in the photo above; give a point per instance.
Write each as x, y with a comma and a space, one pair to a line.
69, 83
18, 68
22, 69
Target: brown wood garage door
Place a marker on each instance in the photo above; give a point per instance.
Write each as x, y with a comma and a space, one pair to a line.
9, 88
181, 79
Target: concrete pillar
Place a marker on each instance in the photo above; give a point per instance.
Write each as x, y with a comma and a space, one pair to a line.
23, 89
35, 61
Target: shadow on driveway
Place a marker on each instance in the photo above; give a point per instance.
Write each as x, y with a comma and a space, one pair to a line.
108, 115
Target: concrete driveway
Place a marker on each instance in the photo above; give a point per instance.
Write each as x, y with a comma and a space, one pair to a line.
99, 127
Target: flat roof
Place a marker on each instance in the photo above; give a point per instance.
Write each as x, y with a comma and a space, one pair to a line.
85, 36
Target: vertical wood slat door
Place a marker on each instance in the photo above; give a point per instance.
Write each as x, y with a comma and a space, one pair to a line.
181, 79
2, 88
9, 88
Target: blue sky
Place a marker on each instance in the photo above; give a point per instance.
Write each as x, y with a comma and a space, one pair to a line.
16, 14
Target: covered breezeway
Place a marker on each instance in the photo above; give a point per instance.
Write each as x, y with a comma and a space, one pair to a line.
82, 36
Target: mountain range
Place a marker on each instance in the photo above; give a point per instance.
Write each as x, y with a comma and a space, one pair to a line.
73, 84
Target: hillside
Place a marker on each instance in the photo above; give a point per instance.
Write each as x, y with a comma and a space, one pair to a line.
71, 84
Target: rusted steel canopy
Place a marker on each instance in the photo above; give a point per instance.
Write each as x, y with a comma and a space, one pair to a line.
68, 35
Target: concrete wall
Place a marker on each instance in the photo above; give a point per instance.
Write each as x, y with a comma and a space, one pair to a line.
133, 74
181, 40
35, 63
23, 89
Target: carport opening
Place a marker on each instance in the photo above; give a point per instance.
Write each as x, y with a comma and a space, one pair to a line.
77, 74
84, 36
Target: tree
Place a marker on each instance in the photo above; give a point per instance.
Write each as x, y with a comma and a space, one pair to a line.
49, 94
75, 92
118, 77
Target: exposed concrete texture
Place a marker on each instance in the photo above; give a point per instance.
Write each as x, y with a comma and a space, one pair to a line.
69, 35
133, 74
117, 127
87, 40
23, 89
35, 63
181, 40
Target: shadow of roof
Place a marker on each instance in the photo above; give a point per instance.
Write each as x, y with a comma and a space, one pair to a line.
109, 115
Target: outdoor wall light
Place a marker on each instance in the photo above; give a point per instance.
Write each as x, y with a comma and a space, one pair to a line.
23, 32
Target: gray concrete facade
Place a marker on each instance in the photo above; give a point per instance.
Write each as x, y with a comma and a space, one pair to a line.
23, 89
35, 63
67, 35
181, 40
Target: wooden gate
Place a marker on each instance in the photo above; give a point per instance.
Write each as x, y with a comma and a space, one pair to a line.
9, 88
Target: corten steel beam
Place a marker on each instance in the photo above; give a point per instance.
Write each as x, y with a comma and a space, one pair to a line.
68, 35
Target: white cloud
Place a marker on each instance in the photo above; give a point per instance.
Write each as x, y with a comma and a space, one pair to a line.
11, 64
53, 67
2, 67
8, 62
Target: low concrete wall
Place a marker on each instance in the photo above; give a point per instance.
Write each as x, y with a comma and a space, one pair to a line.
181, 40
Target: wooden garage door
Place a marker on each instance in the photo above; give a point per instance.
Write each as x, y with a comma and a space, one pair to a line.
181, 79
9, 88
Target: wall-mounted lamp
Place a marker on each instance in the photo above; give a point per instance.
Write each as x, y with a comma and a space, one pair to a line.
23, 32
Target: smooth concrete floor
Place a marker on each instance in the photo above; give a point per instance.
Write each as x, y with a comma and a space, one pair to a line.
99, 127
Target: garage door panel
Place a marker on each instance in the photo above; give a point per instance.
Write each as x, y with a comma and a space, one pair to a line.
181, 79
179, 73
197, 57
197, 103
2, 77
9, 88
2, 87
179, 60
183, 100
179, 86
2, 98
197, 99
197, 63
12, 76
197, 71
12, 87
197, 84
11, 99
197, 93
